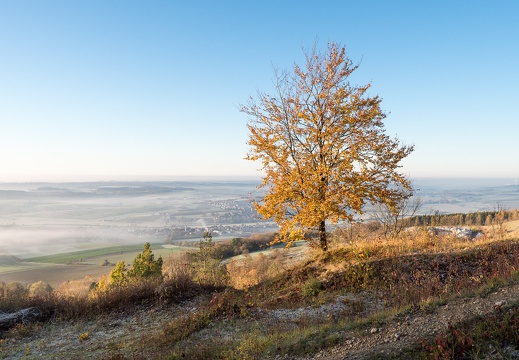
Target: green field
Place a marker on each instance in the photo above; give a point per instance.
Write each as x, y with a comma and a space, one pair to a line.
55, 269
128, 256
11, 264
81, 256
97, 256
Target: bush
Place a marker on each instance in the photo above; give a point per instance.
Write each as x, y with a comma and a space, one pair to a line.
179, 282
254, 270
12, 296
311, 287
145, 265
40, 290
207, 265
75, 289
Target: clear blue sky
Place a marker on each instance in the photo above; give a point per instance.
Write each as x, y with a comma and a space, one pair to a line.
123, 89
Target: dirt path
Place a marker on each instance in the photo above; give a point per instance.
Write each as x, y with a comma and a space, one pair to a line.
405, 331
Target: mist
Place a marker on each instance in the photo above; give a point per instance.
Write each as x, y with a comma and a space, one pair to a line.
39, 219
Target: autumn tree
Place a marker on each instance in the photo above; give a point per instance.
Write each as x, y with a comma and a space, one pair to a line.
323, 147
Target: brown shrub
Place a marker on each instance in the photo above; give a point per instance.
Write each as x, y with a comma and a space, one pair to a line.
252, 270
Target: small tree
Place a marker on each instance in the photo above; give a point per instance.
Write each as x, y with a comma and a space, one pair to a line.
207, 263
145, 266
395, 218
118, 275
323, 148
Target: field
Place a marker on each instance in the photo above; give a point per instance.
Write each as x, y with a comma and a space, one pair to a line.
58, 268
416, 296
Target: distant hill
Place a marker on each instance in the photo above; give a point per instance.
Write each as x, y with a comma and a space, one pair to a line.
9, 260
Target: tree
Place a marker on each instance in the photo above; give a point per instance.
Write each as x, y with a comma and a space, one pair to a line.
118, 276
396, 218
323, 148
207, 263
145, 266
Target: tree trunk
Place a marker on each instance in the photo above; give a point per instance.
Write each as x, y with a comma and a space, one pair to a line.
323, 241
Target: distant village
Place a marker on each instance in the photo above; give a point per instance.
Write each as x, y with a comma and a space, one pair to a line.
226, 219
227, 231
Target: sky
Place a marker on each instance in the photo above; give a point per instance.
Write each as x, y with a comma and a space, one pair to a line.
126, 89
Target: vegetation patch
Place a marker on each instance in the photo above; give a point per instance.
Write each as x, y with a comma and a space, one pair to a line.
495, 336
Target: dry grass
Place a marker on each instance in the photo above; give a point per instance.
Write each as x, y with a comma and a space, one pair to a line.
251, 271
75, 288
413, 241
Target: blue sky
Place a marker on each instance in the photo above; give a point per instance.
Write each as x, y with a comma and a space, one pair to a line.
108, 90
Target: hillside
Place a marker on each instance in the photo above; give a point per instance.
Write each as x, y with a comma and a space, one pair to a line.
419, 296
124, 334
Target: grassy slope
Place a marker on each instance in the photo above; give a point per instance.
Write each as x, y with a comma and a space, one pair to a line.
358, 286
368, 283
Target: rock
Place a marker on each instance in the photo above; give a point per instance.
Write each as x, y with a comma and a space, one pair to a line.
21, 316
500, 303
398, 336
512, 352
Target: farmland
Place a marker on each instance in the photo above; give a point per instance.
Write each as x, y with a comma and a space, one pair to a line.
66, 231
61, 267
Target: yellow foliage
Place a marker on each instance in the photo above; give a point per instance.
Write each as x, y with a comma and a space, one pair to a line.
323, 148
75, 288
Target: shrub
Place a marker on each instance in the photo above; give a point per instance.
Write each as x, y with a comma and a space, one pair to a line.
77, 289
179, 282
40, 290
207, 263
12, 296
254, 270
145, 266
311, 287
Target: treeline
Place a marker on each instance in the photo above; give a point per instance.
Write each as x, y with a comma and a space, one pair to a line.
479, 218
239, 246
225, 249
